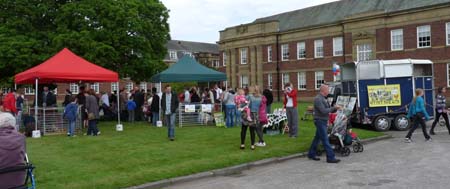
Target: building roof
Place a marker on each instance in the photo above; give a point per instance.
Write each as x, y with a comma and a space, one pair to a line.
340, 10
190, 46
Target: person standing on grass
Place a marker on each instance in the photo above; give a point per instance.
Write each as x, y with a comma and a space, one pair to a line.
256, 101
418, 113
67, 98
269, 96
230, 107
81, 99
244, 123
441, 110
92, 109
321, 115
154, 107
131, 107
70, 113
169, 104
139, 99
290, 103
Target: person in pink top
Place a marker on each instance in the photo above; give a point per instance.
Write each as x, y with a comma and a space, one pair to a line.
242, 103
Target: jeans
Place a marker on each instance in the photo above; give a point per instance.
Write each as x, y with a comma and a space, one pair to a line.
170, 121
418, 119
321, 136
244, 133
292, 117
230, 114
71, 128
92, 129
155, 118
238, 116
436, 120
131, 115
269, 108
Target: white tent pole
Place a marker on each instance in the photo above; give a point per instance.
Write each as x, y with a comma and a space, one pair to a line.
160, 87
118, 103
15, 86
36, 106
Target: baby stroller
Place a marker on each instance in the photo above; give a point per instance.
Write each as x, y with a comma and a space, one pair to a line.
27, 168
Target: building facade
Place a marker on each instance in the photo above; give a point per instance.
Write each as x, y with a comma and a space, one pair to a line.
205, 53
301, 46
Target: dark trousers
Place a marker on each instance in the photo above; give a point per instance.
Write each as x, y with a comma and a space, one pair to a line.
418, 119
244, 133
92, 129
436, 120
139, 115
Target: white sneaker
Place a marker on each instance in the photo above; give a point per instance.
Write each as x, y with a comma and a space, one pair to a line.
408, 140
260, 144
98, 133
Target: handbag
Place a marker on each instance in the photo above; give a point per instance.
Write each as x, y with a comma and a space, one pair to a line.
91, 116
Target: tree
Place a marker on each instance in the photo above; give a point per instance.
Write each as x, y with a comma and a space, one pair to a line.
125, 36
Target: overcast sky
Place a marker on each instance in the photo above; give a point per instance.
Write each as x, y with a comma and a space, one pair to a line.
201, 20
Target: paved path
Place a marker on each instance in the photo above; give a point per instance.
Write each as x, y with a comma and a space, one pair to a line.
385, 164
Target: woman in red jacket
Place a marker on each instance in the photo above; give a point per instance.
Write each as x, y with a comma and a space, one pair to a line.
290, 104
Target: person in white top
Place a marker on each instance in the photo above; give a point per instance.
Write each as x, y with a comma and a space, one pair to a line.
105, 99
187, 96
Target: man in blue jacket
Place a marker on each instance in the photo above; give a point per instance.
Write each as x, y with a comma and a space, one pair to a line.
70, 113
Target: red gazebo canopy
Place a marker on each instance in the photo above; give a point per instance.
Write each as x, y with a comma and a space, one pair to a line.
66, 67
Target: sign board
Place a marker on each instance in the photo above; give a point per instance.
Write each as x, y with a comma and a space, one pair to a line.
384, 95
188, 108
206, 108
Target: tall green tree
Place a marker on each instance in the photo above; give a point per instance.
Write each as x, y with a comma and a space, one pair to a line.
127, 36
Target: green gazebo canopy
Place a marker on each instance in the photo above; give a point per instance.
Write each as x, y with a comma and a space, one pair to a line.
187, 70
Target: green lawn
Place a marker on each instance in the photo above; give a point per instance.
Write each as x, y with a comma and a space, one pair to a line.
143, 154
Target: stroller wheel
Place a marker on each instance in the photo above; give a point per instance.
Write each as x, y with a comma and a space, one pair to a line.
356, 148
345, 151
361, 147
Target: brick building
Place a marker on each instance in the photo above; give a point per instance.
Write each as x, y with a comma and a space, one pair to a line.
205, 53
301, 46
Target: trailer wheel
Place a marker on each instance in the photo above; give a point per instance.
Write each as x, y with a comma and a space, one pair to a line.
401, 122
382, 123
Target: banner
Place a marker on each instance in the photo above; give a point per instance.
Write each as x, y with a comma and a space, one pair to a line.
384, 95
189, 108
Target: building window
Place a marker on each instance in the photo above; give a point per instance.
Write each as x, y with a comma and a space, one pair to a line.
363, 52
173, 55
269, 81
448, 75
224, 63
187, 53
284, 52
319, 79
285, 79
318, 48
301, 81
114, 87
244, 81
6, 90
74, 88
243, 55
338, 46
448, 32
397, 40
269, 53
143, 85
29, 90
423, 36
129, 86
94, 86
301, 50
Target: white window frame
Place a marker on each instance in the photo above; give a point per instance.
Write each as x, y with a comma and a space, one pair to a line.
129, 86
396, 33
448, 76
316, 79
318, 48
418, 35
283, 79
447, 33
95, 86
74, 88
269, 81
173, 55
187, 53
28, 90
243, 55
301, 54
284, 52
224, 59
338, 46
114, 87
269, 53
301, 80
359, 52
143, 85
242, 81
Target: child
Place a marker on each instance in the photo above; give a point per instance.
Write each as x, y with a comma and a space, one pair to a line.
242, 103
70, 113
131, 106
